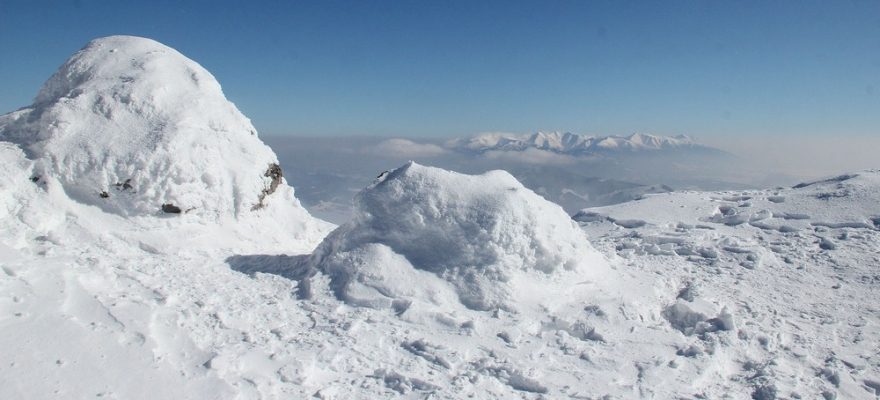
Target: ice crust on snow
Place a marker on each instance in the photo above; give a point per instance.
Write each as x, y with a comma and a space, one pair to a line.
135, 127
474, 231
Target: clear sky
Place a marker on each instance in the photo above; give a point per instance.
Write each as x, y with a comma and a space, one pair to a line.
441, 68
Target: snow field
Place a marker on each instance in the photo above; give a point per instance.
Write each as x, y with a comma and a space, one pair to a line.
794, 268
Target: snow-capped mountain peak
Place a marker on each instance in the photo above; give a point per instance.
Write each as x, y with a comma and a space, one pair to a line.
572, 143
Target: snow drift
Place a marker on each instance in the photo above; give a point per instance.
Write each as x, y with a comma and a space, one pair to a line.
478, 233
136, 128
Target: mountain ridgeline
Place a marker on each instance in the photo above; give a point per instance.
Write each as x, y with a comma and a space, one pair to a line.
578, 144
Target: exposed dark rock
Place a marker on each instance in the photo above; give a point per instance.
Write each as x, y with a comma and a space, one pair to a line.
35, 179
104, 195
170, 208
275, 174
124, 185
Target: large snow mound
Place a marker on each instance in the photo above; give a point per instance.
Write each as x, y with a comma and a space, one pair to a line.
477, 232
136, 128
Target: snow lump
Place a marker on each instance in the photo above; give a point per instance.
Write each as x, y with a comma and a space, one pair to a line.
420, 233
136, 128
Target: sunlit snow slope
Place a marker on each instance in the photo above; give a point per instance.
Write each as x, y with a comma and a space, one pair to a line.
95, 263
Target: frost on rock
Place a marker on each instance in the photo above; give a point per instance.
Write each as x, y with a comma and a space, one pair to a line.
136, 128
418, 230
275, 174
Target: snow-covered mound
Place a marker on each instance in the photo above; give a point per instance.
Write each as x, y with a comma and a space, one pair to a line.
476, 232
573, 143
136, 128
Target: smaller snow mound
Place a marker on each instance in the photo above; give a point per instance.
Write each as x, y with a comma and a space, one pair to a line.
476, 232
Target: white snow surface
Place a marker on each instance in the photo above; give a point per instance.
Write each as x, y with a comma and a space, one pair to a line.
762, 294
692, 307
476, 231
129, 124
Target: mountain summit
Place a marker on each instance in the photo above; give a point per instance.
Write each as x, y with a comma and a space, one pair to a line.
136, 128
573, 143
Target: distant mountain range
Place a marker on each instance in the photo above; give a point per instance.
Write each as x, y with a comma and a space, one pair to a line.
575, 144
569, 169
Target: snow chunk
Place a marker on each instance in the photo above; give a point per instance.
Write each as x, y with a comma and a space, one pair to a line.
697, 317
476, 232
136, 128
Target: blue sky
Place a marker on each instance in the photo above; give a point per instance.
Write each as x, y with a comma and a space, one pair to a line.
438, 68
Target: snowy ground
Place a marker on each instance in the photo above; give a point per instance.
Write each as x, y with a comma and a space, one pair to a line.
797, 268
106, 292
699, 306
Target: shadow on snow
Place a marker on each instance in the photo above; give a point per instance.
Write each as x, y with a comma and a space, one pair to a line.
289, 267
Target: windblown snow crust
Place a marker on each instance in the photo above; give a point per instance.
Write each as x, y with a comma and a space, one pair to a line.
476, 232
136, 128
